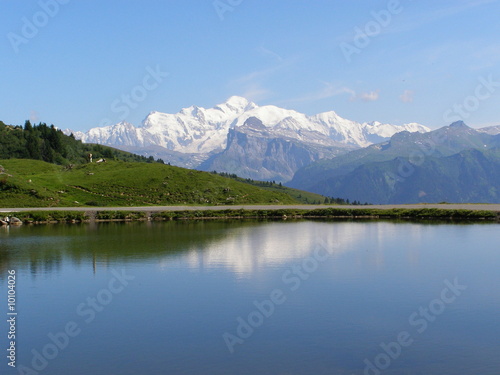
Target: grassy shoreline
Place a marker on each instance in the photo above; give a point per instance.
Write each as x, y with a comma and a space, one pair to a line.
44, 217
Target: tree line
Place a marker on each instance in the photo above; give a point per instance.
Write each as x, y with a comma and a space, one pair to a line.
326, 200
49, 144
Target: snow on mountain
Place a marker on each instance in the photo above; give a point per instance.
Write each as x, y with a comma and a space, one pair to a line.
492, 130
199, 130
121, 134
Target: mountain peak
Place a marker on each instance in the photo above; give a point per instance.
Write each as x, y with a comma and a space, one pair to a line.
459, 124
198, 130
254, 123
238, 102
123, 124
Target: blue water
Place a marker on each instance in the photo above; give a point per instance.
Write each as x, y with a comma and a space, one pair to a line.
187, 296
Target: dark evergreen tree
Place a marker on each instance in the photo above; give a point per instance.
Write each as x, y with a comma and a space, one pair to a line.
27, 126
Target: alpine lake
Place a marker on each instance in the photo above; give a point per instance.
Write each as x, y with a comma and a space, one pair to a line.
251, 297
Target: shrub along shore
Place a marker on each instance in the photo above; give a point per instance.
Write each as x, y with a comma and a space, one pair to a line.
42, 217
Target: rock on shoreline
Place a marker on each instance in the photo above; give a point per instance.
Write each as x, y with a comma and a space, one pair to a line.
11, 220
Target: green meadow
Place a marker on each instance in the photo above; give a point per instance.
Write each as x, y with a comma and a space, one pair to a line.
33, 183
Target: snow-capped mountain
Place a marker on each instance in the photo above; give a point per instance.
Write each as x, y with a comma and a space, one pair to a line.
239, 136
201, 130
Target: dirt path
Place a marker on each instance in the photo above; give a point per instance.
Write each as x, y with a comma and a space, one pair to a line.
475, 207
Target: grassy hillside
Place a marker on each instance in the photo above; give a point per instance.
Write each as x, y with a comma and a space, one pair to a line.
301, 196
33, 183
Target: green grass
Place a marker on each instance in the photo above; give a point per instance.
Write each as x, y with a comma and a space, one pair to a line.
304, 197
31, 183
423, 214
51, 216
330, 213
401, 213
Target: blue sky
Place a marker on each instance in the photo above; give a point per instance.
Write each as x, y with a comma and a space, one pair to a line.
75, 63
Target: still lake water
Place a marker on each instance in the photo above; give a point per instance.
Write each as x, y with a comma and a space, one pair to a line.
184, 298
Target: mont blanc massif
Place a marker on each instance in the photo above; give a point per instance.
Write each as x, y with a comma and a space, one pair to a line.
325, 153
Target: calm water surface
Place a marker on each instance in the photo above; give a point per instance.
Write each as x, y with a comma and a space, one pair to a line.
254, 298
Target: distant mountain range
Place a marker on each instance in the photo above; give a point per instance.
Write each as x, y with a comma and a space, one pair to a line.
455, 164
238, 136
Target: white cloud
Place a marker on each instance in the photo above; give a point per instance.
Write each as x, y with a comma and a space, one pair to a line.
253, 76
407, 96
255, 93
34, 117
253, 85
370, 96
329, 90
269, 53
